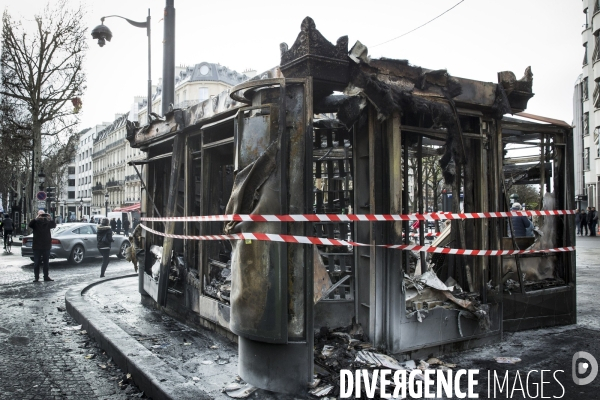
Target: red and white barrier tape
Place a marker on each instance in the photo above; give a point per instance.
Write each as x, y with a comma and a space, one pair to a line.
273, 237
359, 217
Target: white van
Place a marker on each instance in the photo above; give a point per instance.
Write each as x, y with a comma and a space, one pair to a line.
124, 216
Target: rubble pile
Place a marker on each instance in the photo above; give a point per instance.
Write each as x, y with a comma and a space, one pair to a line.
346, 348
218, 282
427, 291
513, 286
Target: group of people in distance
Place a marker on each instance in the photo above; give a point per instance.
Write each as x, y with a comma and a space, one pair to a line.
586, 220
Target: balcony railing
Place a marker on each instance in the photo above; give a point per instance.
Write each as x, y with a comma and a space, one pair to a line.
97, 188
133, 177
111, 184
98, 153
115, 144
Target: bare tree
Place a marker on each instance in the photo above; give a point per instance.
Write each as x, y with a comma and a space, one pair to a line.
42, 71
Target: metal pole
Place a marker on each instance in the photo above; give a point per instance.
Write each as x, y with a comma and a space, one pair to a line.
149, 66
168, 83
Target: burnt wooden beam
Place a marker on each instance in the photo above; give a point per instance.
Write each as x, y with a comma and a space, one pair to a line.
176, 161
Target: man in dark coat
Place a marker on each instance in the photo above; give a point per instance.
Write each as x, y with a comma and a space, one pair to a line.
42, 243
118, 226
113, 224
126, 227
583, 225
593, 220
104, 239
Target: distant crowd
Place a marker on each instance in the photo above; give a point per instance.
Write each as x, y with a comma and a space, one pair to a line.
586, 221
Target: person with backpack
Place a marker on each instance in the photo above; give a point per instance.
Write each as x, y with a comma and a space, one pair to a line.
104, 238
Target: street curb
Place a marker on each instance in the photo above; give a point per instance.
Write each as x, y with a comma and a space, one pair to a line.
150, 374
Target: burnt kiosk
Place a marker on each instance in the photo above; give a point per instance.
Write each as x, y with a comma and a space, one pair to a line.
331, 131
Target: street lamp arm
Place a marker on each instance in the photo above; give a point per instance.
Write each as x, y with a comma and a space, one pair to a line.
134, 23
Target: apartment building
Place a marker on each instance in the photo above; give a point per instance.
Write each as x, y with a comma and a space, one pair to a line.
586, 112
108, 161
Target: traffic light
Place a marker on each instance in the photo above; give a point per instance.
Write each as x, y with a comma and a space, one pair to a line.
51, 193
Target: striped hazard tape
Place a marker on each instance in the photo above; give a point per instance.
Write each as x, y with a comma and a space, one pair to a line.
359, 217
273, 237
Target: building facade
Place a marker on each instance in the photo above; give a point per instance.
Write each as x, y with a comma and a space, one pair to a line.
586, 113
195, 84
108, 161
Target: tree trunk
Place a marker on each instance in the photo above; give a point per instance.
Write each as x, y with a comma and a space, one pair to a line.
37, 162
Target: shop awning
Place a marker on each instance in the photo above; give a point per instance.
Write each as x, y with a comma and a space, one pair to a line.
132, 207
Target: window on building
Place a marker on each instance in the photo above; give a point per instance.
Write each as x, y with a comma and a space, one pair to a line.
71, 182
71, 194
597, 95
596, 6
202, 93
585, 55
586, 159
584, 89
586, 124
585, 26
71, 170
596, 53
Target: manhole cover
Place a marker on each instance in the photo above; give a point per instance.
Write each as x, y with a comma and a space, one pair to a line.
18, 340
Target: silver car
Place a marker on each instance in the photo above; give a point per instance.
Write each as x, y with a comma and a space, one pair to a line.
76, 241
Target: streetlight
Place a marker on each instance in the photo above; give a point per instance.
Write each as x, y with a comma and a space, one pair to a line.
41, 179
81, 207
106, 204
102, 33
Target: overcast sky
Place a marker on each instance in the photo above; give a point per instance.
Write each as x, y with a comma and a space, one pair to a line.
475, 40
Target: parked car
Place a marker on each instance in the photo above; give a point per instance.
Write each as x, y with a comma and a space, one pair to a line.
76, 241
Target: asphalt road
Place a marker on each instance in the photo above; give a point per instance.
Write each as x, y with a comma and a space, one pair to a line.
40, 358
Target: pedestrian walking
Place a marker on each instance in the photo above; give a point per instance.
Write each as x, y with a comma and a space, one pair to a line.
126, 227
135, 223
578, 222
593, 220
521, 225
113, 224
42, 243
119, 224
104, 239
583, 225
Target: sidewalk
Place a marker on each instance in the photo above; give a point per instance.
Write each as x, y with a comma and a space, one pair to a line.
169, 360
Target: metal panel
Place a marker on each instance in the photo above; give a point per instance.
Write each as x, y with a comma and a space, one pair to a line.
150, 286
277, 367
441, 325
259, 288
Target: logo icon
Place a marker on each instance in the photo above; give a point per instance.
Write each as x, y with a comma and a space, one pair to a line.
583, 367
